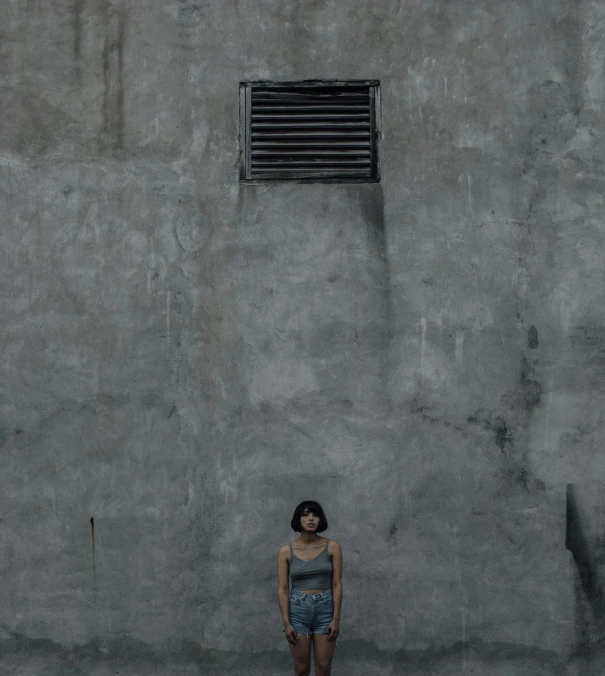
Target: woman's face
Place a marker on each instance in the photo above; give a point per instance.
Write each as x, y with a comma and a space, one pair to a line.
309, 521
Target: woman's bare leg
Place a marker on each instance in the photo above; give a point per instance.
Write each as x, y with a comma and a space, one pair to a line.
301, 654
324, 652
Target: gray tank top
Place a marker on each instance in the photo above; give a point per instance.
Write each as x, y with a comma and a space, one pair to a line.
313, 574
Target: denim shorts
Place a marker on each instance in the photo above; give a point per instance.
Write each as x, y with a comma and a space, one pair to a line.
310, 613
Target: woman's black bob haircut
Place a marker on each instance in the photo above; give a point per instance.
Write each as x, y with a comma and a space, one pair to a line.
314, 507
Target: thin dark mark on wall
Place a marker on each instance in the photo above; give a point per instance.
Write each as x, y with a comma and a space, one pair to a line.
423, 410
120, 92
530, 387
94, 566
504, 437
105, 60
532, 337
111, 136
77, 29
521, 476
574, 63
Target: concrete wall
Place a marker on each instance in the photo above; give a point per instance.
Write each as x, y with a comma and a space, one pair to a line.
185, 358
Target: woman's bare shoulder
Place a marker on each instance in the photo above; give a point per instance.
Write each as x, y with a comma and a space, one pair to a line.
333, 546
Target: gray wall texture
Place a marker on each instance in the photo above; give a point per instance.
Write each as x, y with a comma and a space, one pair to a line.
185, 358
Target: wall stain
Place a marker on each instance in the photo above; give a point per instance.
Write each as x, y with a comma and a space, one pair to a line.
77, 30
514, 468
571, 27
532, 338
187, 13
503, 435
530, 387
587, 562
94, 565
111, 136
424, 411
371, 202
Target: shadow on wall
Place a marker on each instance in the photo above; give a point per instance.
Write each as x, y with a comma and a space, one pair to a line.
585, 539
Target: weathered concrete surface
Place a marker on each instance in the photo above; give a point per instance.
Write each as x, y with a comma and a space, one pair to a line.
185, 358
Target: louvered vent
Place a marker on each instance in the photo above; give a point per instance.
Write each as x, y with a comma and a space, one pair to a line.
309, 131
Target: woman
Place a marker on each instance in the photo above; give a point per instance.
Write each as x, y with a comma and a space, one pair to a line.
311, 611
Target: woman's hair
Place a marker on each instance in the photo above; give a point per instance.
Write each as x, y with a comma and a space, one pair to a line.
314, 507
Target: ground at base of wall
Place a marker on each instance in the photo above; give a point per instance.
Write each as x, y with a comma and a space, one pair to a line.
501, 663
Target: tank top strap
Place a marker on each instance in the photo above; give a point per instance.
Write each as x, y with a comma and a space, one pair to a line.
327, 543
290, 552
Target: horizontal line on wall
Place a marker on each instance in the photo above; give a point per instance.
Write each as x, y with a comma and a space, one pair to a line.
293, 145
328, 134
339, 117
328, 107
310, 153
328, 99
336, 126
324, 170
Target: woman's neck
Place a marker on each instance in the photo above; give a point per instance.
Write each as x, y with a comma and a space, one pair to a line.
308, 538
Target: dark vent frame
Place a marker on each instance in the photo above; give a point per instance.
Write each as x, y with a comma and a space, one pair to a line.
347, 144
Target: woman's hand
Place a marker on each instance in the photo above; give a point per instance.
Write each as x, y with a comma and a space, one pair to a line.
291, 634
333, 630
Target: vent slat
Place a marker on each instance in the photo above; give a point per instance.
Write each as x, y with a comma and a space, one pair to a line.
285, 145
310, 153
308, 95
309, 162
326, 106
268, 135
295, 117
314, 172
312, 104
340, 126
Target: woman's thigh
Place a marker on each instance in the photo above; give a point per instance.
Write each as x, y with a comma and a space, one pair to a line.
301, 652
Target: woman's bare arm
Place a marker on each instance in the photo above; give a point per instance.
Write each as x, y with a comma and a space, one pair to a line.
282, 583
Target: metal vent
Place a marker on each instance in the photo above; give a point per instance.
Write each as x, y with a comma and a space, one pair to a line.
309, 131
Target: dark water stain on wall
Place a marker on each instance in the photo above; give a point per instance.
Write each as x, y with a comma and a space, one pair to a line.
503, 435
531, 389
77, 31
588, 556
532, 338
570, 27
94, 562
111, 136
371, 202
